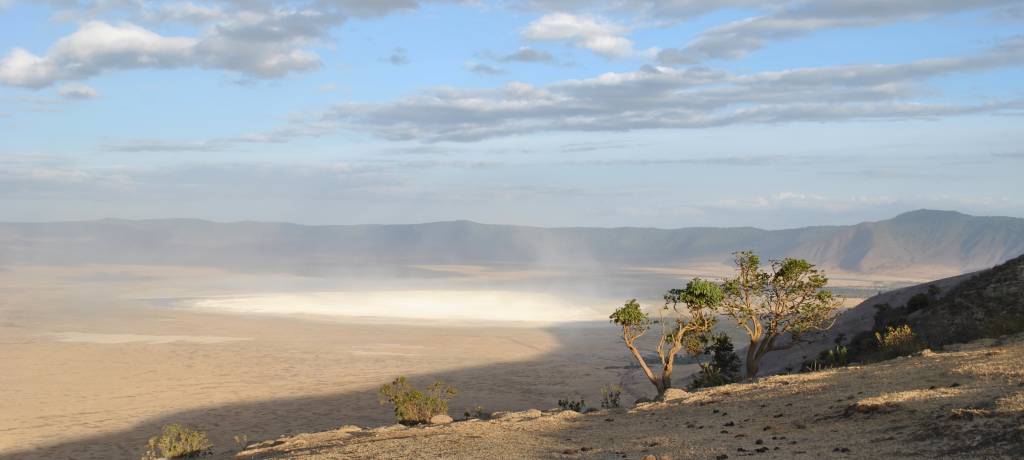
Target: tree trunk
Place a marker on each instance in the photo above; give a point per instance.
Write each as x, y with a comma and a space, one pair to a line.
752, 359
658, 382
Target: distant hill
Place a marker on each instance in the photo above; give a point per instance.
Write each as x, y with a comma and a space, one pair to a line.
943, 240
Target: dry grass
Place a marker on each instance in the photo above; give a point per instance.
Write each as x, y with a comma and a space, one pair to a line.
963, 404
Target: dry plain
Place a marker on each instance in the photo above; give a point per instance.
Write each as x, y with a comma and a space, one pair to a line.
97, 358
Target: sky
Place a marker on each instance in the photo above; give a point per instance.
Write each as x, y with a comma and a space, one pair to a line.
663, 113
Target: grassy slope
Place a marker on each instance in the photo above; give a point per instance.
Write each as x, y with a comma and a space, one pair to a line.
967, 402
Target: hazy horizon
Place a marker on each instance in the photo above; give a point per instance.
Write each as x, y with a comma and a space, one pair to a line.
838, 222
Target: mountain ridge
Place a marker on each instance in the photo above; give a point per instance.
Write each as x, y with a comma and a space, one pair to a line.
950, 240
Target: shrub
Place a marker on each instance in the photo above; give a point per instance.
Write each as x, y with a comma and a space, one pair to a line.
568, 404
413, 406
610, 396
919, 301
897, 341
837, 356
476, 412
177, 441
724, 366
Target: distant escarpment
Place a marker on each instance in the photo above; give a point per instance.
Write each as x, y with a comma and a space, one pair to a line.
923, 241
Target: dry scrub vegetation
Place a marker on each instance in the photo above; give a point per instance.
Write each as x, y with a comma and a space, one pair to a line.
967, 402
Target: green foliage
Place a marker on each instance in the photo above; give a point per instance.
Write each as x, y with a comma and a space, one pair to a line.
724, 366
413, 406
610, 396
477, 412
630, 315
790, 298
837, 356
691, 315
573, 405
919, 301
177, 441
898, 341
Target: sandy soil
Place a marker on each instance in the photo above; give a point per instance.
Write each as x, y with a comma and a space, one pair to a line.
967, 403
90, 372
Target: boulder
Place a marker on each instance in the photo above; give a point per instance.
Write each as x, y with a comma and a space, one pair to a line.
440, 419
673, 394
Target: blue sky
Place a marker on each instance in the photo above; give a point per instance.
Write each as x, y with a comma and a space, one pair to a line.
664, 113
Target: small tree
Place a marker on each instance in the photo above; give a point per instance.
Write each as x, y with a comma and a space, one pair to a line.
788, 299
413, 406
681, 330
724, 366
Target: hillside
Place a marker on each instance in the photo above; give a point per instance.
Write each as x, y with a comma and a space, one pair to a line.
986, 303
966, 402
935, 241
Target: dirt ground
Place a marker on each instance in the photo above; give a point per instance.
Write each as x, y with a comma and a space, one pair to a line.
963, 403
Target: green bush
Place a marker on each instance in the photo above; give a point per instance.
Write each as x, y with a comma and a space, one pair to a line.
477, 412
569, 404
413, 406
610, 396
898, 341
837, 356
724, 366
177, 441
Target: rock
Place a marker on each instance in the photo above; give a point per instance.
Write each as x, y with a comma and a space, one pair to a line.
527, 414
650, 457
349, 429
673, 394
642, 400
567, 414
440, 419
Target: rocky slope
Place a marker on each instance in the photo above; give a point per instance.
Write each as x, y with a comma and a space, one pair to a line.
966, 402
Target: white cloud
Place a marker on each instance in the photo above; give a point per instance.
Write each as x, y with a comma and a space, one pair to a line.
793, 19
94, 47
184, 12
593, 33
77, 91
665, 97
256, 45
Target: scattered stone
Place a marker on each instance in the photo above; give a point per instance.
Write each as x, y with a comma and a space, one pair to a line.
778, 415
759, 442
574, 452
440, 419
721, 457
730, 424
761, 450
861, 407
954, 385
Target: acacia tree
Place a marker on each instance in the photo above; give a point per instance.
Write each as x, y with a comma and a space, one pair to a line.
688, 315
789, 298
